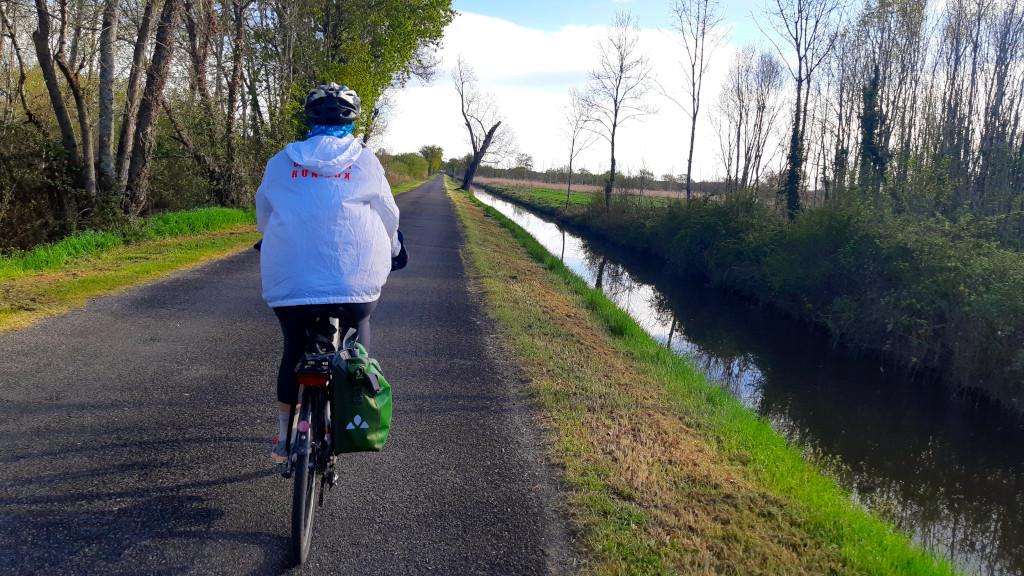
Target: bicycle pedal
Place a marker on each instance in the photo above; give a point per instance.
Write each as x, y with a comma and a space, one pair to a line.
285, 470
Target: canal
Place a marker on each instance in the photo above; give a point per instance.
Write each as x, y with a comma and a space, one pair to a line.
947, 472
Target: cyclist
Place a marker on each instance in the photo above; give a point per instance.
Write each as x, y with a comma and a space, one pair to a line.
330, 230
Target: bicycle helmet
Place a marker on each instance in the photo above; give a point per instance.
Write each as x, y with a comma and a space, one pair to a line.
332, 105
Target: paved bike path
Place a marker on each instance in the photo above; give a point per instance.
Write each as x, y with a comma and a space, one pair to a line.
135, 434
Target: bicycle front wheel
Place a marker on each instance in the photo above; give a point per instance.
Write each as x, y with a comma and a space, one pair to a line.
304, 498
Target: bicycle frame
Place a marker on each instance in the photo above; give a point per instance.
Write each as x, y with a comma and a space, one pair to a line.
301, 445
311, 458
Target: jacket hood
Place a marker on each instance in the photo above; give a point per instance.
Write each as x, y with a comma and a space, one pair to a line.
325, 153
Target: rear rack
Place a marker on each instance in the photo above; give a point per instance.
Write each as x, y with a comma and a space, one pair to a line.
315, 363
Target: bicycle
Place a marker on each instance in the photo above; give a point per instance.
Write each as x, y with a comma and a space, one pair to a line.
311, 457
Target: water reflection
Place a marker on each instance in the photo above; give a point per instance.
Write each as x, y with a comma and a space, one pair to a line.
949, 474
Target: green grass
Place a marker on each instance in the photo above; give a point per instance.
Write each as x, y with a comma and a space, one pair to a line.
27, 297
551, 202
792, 519
546, 197
406, 186
195, 221
546, 200
55, 278
52, 257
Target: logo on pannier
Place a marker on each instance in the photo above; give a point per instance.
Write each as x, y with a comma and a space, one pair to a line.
357, 422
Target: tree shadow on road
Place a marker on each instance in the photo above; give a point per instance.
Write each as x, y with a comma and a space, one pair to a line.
145, 509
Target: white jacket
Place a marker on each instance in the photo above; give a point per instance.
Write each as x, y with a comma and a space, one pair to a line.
329, 224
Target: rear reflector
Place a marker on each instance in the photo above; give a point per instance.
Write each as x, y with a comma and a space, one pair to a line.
312, 379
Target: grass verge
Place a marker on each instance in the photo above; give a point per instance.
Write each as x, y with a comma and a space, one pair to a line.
58, 279
664, 472
406, 186
55, 256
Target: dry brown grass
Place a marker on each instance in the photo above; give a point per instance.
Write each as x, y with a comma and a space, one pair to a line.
647, 491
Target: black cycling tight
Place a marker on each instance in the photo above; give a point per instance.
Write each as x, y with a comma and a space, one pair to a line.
297, 323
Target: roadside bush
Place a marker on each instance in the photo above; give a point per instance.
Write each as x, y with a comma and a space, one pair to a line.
37, 200
415, 165
403, 167
954, 303
179, 184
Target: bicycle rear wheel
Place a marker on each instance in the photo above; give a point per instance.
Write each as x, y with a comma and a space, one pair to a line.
306, 486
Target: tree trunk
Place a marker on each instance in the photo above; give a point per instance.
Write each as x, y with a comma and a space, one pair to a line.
87, 177
145, 133
689, 157
610, 183
198, 28
467, 178
41, 39
126, 136
105, 126
237, 52
258, 122
796, 155
478, 155
232, 193
568, 187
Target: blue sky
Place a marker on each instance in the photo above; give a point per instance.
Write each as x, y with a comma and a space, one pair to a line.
552, 15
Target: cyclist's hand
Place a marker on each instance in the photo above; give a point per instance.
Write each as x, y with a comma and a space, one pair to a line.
399, 262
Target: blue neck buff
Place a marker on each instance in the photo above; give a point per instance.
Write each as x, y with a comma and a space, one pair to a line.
336, 131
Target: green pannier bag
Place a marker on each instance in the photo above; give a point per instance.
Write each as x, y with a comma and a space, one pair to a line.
361, 403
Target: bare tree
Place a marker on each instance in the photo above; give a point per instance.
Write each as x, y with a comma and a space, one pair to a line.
809, 28
578, 122
1005, 39
10, 31
133, 96
748, 108
136, 194
488, 139
642, 181
697, 21
618, 86
46, 60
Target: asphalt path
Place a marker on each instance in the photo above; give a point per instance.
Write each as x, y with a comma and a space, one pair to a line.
136, 433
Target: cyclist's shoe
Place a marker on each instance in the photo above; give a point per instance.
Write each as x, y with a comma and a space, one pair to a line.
279, 451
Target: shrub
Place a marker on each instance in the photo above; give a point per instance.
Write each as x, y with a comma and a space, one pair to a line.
37, 201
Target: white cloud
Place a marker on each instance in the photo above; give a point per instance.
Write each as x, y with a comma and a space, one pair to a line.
530, 73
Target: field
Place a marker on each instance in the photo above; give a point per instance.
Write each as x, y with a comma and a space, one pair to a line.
583, 188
